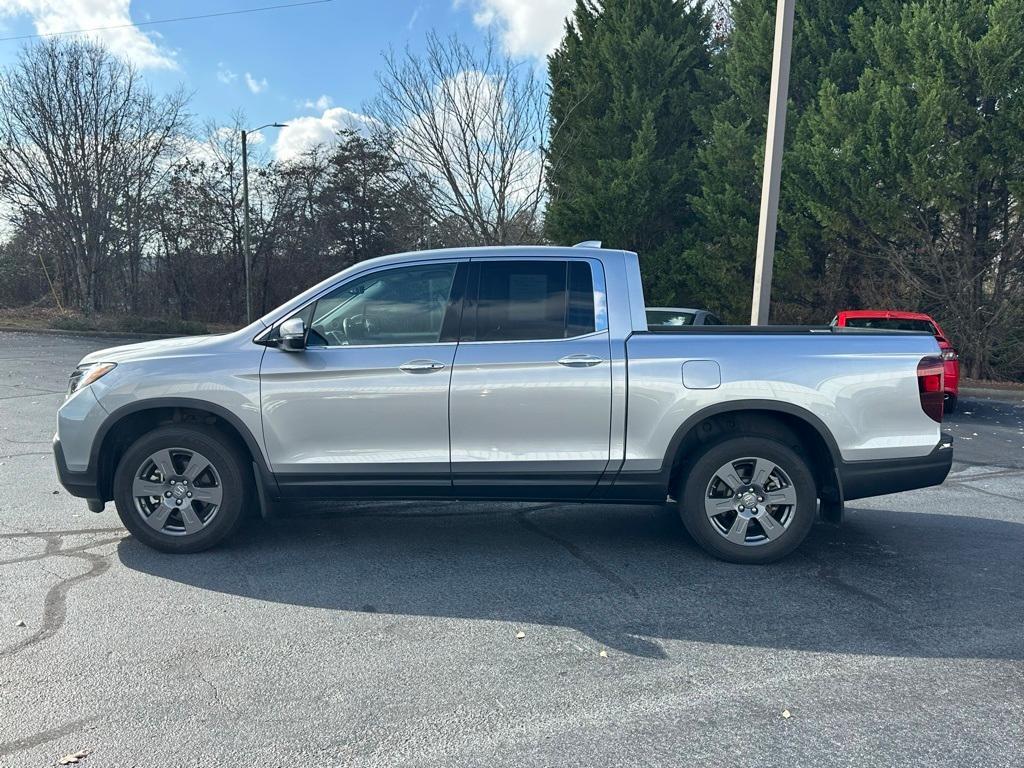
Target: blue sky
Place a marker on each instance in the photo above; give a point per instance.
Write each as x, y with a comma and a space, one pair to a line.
304, 65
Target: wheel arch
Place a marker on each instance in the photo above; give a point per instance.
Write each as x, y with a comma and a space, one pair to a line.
127, 423
796, 426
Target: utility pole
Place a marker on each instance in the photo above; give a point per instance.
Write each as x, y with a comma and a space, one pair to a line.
245, 216
768, 221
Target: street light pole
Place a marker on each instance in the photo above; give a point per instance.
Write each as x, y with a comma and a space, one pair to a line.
245, 227
245, 216
768, 222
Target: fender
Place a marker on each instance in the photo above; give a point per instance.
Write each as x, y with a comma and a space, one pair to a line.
264, 476
653, 486
733, 406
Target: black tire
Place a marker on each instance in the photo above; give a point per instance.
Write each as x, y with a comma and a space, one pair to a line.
796, 519
949, 404
232, 477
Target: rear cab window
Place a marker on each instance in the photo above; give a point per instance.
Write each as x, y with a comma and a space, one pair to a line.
892, 324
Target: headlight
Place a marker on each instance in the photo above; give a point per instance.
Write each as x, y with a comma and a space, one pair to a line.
84, 375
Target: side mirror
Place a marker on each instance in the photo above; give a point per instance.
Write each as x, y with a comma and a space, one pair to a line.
292, 335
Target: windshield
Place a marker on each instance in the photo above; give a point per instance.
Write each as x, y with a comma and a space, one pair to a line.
891, 324
669, 317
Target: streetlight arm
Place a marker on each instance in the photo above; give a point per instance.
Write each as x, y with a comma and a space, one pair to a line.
268, 125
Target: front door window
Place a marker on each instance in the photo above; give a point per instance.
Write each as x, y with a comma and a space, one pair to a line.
395, 306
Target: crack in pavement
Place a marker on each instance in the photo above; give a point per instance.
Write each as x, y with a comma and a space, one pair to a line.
55, 605
27, 742
39, 393
594, 564
1006, 472
58, 533
829, 574
964, 484
47, 554
216, 694
967, 463
26, 453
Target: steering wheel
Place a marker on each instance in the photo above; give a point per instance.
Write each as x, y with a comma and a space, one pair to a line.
357, 327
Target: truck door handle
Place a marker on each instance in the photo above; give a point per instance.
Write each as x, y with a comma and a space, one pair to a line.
579, 361
421, 366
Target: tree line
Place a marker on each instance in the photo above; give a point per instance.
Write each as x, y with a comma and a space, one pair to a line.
118, 203
902, 175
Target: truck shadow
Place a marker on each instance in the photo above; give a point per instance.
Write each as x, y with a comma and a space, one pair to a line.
886, 582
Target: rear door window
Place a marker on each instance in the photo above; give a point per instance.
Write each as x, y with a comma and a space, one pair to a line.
532, 300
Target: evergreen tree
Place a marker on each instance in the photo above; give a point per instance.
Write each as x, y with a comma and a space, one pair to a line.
919, 168
627, 83
730, 164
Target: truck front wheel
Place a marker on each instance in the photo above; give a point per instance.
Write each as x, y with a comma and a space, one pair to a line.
749, 500
181, 488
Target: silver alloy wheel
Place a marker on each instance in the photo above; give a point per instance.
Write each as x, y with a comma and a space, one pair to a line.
177, 491
750, 501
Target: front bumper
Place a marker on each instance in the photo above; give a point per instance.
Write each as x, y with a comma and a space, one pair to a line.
84, 485
861, 479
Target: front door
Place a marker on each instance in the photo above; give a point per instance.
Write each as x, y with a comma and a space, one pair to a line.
531, 388
364, 408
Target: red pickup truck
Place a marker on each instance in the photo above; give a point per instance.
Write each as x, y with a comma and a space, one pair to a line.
894, 320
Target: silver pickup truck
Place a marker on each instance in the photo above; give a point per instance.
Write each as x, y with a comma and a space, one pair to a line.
521, 373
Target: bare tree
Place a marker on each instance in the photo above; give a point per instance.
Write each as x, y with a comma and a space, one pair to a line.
471, 125
83, 144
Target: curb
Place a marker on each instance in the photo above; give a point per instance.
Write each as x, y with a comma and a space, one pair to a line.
999, 395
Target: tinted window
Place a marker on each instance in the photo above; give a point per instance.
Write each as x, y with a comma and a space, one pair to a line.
396, 306
580, 318
521, 300
890, 324
669, 318
711, 320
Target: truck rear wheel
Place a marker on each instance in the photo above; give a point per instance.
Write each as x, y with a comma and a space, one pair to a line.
749, 500
181, 488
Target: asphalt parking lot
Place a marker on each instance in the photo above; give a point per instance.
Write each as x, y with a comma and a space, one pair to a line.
386, 635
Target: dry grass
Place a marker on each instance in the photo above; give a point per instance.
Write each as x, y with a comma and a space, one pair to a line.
43, 318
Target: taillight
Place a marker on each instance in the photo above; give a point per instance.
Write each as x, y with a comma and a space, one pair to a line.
949, 354
929, 386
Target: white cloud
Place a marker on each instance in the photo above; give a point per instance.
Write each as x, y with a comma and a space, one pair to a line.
54, 16
225, 133
225, 75
325, 102
526, 27
471, 101
256, 86
220, 146
304, 133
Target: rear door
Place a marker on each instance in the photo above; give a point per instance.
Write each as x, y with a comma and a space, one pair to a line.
531, 386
